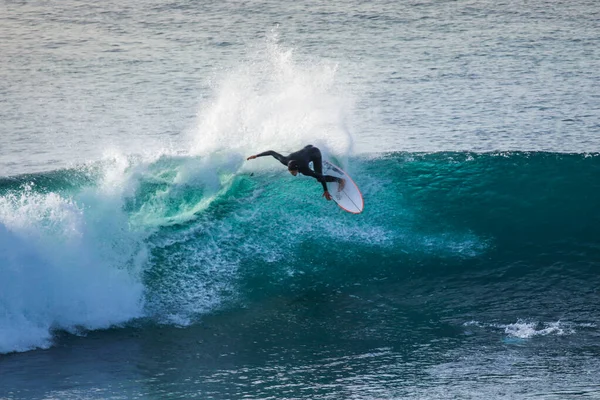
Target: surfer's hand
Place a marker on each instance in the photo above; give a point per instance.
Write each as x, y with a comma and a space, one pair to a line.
327, 195
251, 158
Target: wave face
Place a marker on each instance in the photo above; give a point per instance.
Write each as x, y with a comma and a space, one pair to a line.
500, 240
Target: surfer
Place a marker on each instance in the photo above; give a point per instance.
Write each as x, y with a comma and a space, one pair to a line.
298, 162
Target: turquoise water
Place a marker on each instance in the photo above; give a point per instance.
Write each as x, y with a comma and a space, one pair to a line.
141, 256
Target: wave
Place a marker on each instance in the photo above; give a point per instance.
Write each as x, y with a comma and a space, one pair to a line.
173, 238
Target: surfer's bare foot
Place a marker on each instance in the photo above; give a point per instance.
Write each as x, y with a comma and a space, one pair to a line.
341, 184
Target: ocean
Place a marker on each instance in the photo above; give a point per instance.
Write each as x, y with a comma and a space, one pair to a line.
142, 256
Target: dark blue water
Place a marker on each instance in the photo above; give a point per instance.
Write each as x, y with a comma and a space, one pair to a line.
467, 275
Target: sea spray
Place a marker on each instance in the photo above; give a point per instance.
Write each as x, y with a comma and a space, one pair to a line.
275, 101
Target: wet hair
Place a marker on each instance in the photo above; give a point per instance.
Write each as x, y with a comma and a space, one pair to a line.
293, 165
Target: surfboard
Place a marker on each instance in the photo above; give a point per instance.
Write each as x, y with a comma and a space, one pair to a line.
350, 198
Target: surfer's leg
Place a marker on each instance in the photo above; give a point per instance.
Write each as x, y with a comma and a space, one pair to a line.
317, 160
318, 166
341, 182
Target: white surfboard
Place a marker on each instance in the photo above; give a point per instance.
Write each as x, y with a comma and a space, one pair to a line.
350, 198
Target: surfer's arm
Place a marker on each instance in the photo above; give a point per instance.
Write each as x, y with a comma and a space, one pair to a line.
276, 155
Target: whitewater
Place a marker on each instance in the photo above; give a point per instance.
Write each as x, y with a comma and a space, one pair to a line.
142, 256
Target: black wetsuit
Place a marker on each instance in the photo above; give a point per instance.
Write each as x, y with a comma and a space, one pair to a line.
303, 158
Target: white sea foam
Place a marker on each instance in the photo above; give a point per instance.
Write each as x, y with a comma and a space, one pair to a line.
524, 329
65, 263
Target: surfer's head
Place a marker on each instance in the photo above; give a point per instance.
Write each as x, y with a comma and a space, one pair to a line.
293, 167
